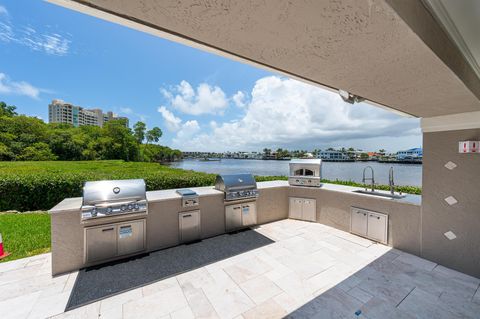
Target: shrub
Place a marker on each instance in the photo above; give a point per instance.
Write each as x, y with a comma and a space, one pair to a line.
26, 186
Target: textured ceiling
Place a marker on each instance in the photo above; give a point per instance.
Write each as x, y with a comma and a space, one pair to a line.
363, 47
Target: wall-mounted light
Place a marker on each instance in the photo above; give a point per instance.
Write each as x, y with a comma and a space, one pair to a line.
350, 98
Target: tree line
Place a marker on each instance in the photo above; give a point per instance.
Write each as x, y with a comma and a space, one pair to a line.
26, 138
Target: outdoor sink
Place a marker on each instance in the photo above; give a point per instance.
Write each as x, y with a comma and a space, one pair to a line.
381, 194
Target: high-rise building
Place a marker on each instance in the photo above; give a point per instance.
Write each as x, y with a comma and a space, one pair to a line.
61, 112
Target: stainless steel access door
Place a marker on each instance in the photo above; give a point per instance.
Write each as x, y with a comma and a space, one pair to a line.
249, 214
100, 243
233, 217
131, 237
189, 224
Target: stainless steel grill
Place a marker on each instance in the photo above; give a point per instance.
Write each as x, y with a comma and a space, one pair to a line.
237, 186
113, 197
305, 172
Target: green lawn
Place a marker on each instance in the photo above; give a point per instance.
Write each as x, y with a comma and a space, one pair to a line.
25, 234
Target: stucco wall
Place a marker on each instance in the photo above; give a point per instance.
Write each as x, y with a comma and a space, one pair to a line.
438, 217
333, 209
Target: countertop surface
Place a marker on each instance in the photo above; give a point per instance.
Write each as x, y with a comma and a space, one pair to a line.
67, 204
155, 196
408, 199
74, 204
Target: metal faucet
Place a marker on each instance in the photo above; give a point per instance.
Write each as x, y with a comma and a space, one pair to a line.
372, 179
390, 181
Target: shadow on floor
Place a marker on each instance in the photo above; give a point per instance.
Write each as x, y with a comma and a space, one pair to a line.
95, 283
386, 288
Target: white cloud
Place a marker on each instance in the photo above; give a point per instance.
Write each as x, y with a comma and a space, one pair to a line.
172, 122
8, 86
126, 110
239, 99
49, 42
188, 130
3, 10
205, 99
52, 44
287, 113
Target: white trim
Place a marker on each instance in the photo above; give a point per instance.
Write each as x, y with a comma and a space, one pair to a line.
98, 13
441, 13
452, 122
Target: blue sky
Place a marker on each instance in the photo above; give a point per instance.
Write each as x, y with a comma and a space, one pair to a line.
200, 100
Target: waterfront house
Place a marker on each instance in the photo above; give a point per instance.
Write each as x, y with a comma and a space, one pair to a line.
333, 155
413, 154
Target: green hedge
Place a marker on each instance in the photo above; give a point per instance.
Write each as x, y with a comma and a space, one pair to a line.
27, 186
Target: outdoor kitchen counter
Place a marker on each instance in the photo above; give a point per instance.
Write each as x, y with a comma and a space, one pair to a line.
68, 204
74, 204
167, 194
408, 199
333, 203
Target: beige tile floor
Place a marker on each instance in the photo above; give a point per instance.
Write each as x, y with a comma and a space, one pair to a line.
311, 271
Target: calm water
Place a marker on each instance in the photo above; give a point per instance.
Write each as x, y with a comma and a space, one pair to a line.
405, 174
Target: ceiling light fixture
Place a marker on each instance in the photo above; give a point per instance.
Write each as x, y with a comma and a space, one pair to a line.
350, 98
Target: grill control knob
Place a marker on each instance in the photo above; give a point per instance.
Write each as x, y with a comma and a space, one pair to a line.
136, 206
130, 206
109, 210
123, 208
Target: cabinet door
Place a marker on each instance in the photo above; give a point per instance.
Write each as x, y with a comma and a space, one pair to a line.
309, 210
377, 227
249, 214
295, 208
233, 217
101, 243
189, 226
358, 222
131, 237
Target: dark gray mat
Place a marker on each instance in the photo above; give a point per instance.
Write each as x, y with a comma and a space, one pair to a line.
103, 281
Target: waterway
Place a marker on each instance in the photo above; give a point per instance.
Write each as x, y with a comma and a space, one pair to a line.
405, 174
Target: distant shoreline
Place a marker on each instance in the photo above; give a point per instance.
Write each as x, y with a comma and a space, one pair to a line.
216, 159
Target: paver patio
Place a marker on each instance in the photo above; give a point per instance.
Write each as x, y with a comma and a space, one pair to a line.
310, 271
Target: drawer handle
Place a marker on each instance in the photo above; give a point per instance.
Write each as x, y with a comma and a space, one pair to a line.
236, 207
107, 229
189, 215
378, 217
